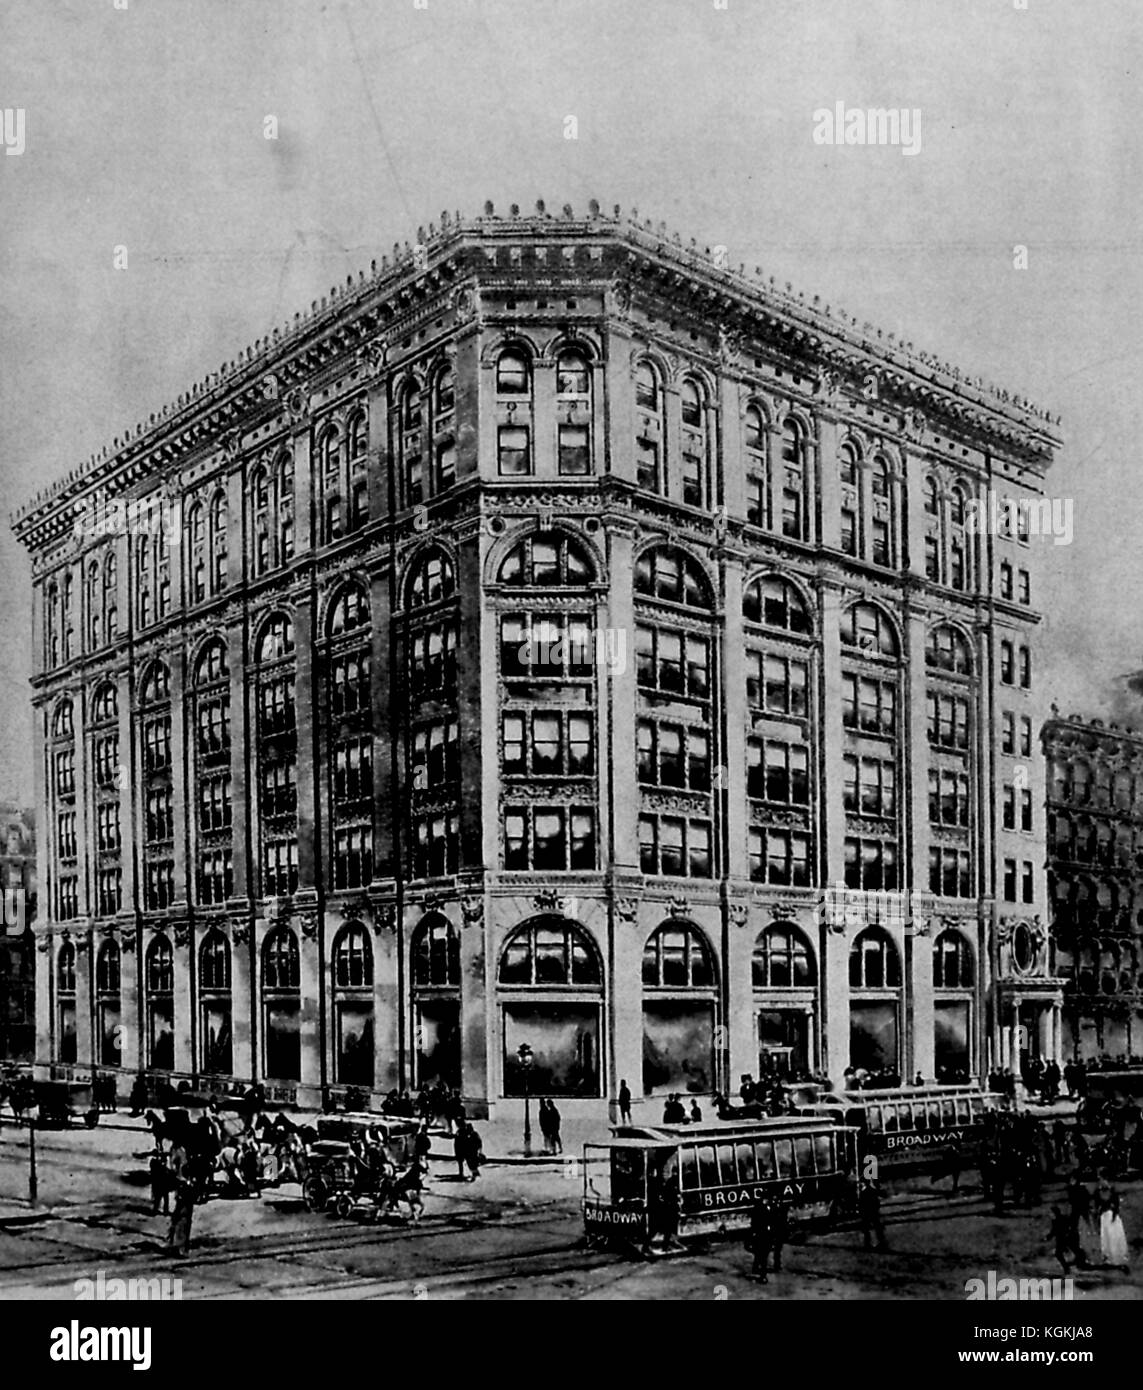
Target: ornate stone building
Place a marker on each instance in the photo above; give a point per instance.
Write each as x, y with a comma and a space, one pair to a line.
17, 943
564, 648
1095, 882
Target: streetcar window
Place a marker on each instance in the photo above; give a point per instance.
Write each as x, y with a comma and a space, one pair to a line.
726, 1165
747, 1168
920, 1116
765, 1151
708, 1168
874, 1119
963, 1112
784, 1153
626, 1174
804, 1153
934, 1109
975, 1105
688, 1166
823, 1151
890, 1119
948, 1113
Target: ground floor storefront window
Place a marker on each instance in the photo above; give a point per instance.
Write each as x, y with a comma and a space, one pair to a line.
679, 1011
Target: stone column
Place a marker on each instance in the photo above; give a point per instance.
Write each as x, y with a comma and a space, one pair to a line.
915, 752
304, 485
180, 784
186, 1026
730, 468
913, 530
313, 974
621, 705
387, 818
625, 997
242, 996
732, 784
310, 858
46, 1047
544, 452
131, 1050
476, 716
478, 942
387, 1001
829, 433
831, 819
742, 1033
920, 1048
84, 1001
615, 414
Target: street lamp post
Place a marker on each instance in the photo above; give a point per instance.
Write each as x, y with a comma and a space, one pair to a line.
524, 1053
33, 1181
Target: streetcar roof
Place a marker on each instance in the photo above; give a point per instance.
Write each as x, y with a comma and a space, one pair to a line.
726, 1129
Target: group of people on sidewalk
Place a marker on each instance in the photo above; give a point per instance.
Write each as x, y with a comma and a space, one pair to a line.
1086, 1212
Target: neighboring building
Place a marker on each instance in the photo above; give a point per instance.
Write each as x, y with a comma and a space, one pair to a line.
1095, 882
17, 943
570, 645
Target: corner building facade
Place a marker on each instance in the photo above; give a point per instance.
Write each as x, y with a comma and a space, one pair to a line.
565, 644
1095, 883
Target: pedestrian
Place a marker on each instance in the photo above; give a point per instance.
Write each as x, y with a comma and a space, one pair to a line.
869, 1213
178, 1236
138, 1096
555, 1119
543, 1117
696, 1113
759, 1240
1112, 1236
422, 1143
1060, 1233
473, 1151
458, 1149
779, 1232
624, 1103
161, 1184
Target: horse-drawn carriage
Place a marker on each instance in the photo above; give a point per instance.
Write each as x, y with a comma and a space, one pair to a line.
339, 1172
59, 1102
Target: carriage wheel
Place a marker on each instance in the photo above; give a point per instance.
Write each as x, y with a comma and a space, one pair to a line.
343, 1205
314, 1194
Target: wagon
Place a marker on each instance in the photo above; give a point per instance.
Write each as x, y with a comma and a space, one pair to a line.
61, 1101
330, 1163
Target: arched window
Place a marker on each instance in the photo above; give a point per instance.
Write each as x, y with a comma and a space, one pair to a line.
669, 574
358, 436
218, 541
431, 579
547, 560
353, 1006
443, 398
105, 704
350, 611
159, 978
549, 951
679, 1006
215, 1003
775, 602
868, 628
694, 452
573, 376
932, 497
435, 956
952, 1017
277, 639
793, 479
156, 686
677, 957
573, 411
107, 966
958, 552
785, 979
513, 373
783, 960
650, 428
65, 1004
754, 438
63, 721
260, 502
285, 508
952, 962
281, 1003
411, 442
329, 472
551, 984
211, 665
874, 962
947, 650
110, 598
847, 464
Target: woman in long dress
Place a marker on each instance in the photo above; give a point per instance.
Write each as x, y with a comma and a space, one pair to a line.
178, 1238
1112, 1237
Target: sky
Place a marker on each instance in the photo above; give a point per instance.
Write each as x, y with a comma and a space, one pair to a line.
144, 128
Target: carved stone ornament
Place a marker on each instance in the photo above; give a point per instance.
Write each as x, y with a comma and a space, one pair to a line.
472, 912
913, 425
678, 907
232, 444
297, 404
127, 944
182, 935
355, 908
550, 901
828, 386
627, 908
729, 345
739, 914
373, 355
385, 919
240, 933
308, 921
922, 925
44, 945
781, 912
465, 304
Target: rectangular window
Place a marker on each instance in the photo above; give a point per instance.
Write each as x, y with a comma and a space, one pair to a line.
672, 663
870, 864
1010, 880
1007, 663
1027, 883
694, 480
1025, 668
849, 531
674, 846
647, 471
574, 451
446, 465
1025, 736
552, 838
756, 499
778, 772
932, 559
1024, 586
947, 721
352, 857
1008, 732
779, 856
792, 513
869, 705
880, 548
1025, 810
1005, 579
513, 451
1008, 819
